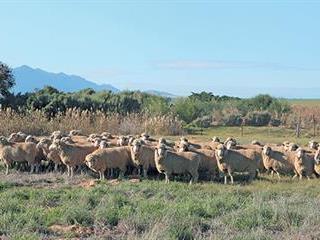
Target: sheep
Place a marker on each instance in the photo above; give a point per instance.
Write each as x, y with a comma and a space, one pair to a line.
106, 135
215, 141
18, 152
257, 143
277, 161
169, 162
230, 161
143, 155
57, 135
103, 144
17, 137
71, 155
317, 162
303, 164
313, 145
75, 133
208, 162
109, 158
184, 140
232, 140
68, 140
51, 155
122, 141
31, 138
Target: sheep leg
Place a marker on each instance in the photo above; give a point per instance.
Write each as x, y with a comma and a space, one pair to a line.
7, 169
295, 175
68, 170
278, 174
225, 179
101, 175
121, 174
32, 168
37, 168
194, 178
71, 172
300, 177
145, 171
55, 167
231, 178
167, 178
272, 173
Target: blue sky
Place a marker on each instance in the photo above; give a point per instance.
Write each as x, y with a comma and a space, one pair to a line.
228, 47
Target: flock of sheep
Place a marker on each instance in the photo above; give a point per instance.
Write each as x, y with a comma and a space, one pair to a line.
118, 155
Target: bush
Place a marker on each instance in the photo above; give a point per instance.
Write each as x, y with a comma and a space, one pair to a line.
258, 118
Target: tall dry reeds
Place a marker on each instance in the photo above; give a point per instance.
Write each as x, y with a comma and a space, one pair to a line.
37, 123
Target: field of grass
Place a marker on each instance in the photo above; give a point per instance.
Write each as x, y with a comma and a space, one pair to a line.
51, 206
305, 102
262, 134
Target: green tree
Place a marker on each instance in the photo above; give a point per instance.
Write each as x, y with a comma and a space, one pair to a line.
6, 80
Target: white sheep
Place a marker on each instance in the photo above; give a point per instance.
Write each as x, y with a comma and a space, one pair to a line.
230, 161
109, 158
169, 163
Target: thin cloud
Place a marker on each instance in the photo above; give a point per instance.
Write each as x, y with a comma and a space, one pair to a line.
216, 65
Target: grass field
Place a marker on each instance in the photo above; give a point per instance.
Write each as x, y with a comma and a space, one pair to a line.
51, 206
305, 102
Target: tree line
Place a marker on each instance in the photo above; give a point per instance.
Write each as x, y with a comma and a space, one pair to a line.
197, 110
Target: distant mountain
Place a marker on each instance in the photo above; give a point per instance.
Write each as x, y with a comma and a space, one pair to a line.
161, 94
28, 79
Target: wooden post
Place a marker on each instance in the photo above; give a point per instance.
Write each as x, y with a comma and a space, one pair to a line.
314, 125
298, 128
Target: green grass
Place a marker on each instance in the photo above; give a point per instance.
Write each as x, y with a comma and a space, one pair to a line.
305, 102
262, 134
265, 209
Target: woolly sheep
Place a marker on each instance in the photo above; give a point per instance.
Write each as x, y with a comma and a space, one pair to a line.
18, 152
303, 164
71, 155
208, 162
169, 162
109, 158
276, 160
230, 161
143, 155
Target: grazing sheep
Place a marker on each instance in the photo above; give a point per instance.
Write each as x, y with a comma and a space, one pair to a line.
71, 155
18, 152
169, 163
303, 164
143, 155
208, 162
230, 161
277, 161
109, 158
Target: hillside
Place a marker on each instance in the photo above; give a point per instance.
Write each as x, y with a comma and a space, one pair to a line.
28, 79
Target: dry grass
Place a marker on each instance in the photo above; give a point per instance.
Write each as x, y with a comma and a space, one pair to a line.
36, 123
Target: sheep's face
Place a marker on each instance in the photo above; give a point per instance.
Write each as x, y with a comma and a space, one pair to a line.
103, 144
266, 150
229, 145
220, 152
300, 153
3, 141
292, 147
122, 141
313, 145
162, 141
136, 147
215, 139
97, 142
160, 152
55, 146
90, 161
13, 137
183, 147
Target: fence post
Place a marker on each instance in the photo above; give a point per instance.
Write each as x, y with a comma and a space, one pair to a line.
314, 125
298, 128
